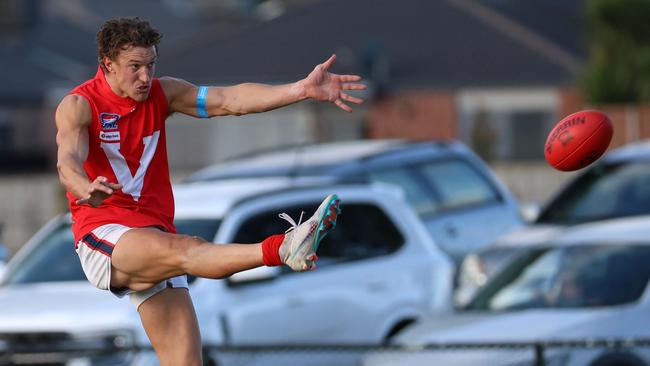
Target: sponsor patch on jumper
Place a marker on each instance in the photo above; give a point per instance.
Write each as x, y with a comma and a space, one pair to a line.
109, 136
109, 120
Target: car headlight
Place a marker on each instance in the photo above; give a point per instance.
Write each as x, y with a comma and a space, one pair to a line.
100, 348
101, 340
83, 349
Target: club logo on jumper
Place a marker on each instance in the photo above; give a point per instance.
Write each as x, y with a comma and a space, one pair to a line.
109, 136
109, 120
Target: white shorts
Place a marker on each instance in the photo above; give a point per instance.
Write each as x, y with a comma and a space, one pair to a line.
95, 250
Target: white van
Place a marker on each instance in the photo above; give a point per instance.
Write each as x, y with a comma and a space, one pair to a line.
378, 271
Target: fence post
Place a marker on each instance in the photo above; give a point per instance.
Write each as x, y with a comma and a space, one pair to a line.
539, 354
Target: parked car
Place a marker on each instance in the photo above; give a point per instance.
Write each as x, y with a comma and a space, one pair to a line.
618, 185
589, 282
444, 181
378, 272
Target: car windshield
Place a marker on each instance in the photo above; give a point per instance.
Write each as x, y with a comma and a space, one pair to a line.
477, 269
605, 191
568, 277
54, 260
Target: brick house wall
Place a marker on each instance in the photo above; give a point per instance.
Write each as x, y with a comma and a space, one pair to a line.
416, 115
631, 121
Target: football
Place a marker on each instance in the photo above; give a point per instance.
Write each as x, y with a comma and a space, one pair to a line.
578, 140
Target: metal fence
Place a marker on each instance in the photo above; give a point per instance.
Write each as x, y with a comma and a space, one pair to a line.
592, 352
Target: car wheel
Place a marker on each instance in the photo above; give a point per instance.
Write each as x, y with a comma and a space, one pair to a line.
397, 328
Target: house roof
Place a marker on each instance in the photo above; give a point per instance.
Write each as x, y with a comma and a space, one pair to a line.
35, 65
58, 50
560, 21
406, 44
432, 44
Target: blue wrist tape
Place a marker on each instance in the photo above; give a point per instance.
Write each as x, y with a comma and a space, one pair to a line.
200, 102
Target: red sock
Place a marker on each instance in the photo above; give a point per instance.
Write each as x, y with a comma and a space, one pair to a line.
271, 250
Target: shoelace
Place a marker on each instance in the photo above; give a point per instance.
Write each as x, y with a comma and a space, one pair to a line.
293, 226
291, 221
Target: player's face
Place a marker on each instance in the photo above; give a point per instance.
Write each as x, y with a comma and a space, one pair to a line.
133, 71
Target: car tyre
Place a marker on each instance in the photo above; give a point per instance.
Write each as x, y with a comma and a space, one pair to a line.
398, 327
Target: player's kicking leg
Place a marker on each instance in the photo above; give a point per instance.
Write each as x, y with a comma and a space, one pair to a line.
144, 257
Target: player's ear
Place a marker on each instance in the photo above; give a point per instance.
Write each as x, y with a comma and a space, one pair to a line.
108, 64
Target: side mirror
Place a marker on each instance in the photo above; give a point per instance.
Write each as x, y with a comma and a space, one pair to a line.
530, 211
258, 274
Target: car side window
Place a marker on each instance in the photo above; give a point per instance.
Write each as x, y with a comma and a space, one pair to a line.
417, 195
458, 184
363, 231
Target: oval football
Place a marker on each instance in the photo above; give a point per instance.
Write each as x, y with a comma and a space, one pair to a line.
578, 140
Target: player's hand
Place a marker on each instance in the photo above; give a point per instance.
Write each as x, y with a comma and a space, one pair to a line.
323, 85
99, 190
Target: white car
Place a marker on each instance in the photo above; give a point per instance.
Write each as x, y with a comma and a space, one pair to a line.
378, 271
588, 283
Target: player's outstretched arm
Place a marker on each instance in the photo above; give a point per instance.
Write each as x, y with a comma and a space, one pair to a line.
320, 85
72, 120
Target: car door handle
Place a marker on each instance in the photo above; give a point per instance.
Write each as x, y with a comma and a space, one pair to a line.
451, 230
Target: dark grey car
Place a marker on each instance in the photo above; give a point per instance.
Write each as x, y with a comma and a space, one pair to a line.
616, 186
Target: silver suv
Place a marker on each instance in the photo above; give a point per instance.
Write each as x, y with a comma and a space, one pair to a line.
462, 203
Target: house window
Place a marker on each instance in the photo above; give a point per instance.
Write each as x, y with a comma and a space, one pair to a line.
507, 125
529, 130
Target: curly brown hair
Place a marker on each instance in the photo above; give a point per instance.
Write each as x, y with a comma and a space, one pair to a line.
118, 33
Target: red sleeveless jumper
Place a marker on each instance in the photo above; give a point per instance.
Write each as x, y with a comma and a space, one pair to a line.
127, 145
